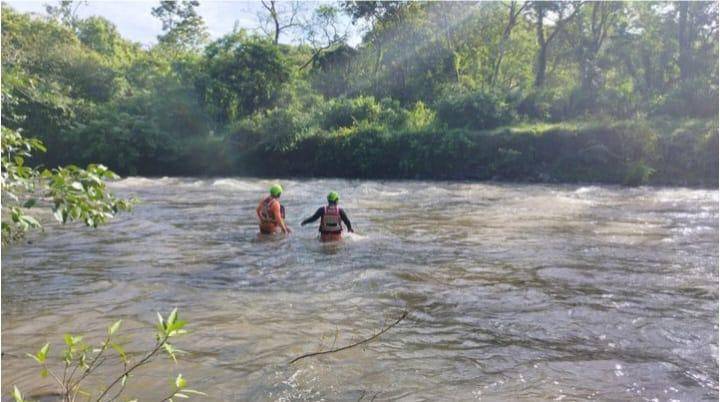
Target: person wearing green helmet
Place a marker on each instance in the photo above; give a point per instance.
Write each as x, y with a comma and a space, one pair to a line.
331, 218
271, 214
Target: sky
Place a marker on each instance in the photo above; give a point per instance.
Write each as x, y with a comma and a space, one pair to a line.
135, 22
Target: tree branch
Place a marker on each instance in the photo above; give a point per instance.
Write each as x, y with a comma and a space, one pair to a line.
136, 365
402, 317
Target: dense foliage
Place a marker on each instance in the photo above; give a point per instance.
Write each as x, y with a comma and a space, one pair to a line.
434, 90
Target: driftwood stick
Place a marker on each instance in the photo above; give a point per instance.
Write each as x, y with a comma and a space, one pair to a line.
402, 317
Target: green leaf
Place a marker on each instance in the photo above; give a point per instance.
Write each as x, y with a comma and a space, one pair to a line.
113, 328
170, 349
17, 395
172, 317
42, 353
180, 382
175, 328
29, 203
44, 373
33, 357
119, 349
77, 186
161, 322
124, 380
30, 221
58, 214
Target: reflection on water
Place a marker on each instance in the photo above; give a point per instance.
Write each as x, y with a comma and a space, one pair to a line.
514, 291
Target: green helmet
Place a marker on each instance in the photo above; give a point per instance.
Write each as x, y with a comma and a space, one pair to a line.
333, 196
276, 190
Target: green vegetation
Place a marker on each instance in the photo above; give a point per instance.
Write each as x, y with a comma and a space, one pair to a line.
74, 193
540, 91
80, 361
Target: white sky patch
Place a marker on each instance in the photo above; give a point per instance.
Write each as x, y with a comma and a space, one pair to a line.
135, 21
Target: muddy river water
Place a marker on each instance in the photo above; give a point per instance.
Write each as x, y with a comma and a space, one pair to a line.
514, 292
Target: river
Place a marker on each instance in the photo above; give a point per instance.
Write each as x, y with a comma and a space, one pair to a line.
514, 292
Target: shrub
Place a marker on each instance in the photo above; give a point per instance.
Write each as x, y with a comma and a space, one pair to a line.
345, 112
420, 117
474, 110
692, 98
541, 104
637, 174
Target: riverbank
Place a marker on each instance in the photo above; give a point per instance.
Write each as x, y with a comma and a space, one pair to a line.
630, 152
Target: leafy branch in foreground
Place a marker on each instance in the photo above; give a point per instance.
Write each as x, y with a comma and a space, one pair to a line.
75, 193
80, 360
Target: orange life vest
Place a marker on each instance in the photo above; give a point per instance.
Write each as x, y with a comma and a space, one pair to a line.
331, 222
265, 215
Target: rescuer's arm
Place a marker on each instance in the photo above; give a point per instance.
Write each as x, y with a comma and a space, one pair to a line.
318, 214
277, 213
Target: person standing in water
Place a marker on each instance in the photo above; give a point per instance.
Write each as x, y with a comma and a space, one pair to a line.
271, 214
331, 218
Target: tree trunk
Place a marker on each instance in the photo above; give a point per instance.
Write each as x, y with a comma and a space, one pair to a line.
512, 18
541, 63
684, 57
277, 31
376, 69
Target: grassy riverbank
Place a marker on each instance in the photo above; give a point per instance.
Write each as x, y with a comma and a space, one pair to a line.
631, 152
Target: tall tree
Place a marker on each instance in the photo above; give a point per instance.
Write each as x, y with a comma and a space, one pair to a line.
280, 17
375, 14
323, 31
240, 76
558, 14
65, 11
184, 28
591, 29
683, 42
515, 8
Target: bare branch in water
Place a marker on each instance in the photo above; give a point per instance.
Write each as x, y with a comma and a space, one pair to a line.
402, 317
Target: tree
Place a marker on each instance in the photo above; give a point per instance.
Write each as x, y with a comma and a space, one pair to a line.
241, 76
591, 29
375, 14
323, 31
515, 9
559, 13
333, 71
281, 17
371, 11
684, 60
102, 36
184, 29
65, 12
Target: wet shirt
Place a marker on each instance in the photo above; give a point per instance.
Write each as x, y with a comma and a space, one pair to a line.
321, 212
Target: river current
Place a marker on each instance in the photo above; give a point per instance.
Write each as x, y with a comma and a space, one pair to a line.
513, 292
